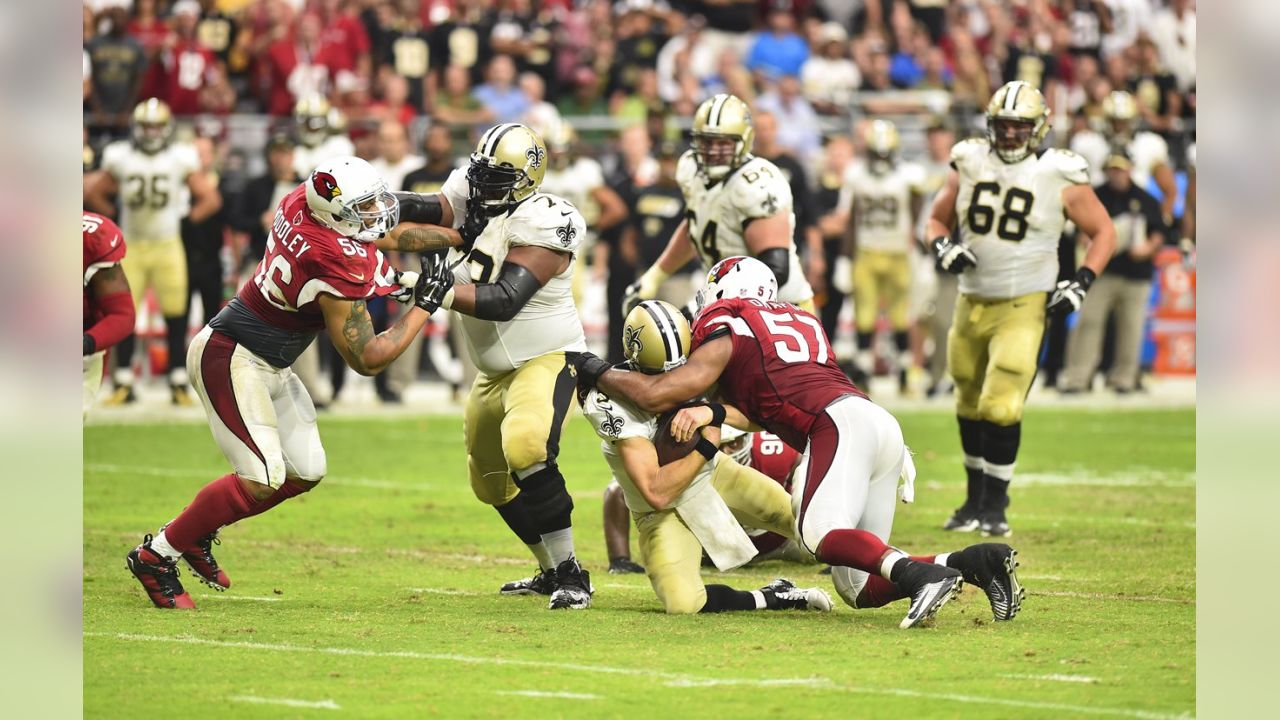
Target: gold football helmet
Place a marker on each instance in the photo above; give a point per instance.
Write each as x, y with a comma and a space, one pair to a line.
152, 126
722, 135
882, 145
1017, 120
655, 337
1121, 110
311, 114
507, 166
560, 141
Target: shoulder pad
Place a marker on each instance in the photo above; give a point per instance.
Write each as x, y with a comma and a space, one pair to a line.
759, 189
1071, 166
965, 150
115, 152
686, 169
549, 221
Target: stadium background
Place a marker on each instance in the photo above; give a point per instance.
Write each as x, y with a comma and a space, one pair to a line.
627, 76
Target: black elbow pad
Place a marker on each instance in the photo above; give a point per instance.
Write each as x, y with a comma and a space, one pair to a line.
779, 261
502, 299
419, 208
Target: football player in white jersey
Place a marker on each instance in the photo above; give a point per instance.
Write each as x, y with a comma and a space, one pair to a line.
1007, 203
512, 293
318, 138
158, 182
1148, 151
881, 198
737, 204
693, 503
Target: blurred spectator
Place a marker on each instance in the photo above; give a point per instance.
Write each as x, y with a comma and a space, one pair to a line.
455, 106
203, 241
438, 149
684, 57
1089, 21
939, 139
318, 134
728, 64
344, 32
1155, 89
153, 34
394, 104
639, 39
302, 65
779, 50
1029, 55
406, 49
263, 194
499, 96
219, 32
836, 159
876, 69
394, 159
187, 65
542, 116
634, 166
87, 30
830, 78
526, 35
799, 132
462, 39
1174, 31
586, 98
1129, 19
644, 100
937, 76
1123, 291
767, 146
117, 63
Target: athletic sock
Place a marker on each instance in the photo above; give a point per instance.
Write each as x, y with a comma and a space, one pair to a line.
220, 503
559, 545
123, 351
176, 337
857, 549
722, 598
161, 546
287, 489
540, 552
972, 436
1000, 453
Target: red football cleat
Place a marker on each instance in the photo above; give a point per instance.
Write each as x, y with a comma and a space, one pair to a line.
159, 577
205, 566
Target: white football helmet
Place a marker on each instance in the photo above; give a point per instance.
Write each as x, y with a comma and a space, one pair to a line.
738, 277
736, 444
348, 196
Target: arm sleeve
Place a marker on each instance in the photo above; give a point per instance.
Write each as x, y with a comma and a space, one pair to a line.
504, 298
419, 208
116, 322
779, 261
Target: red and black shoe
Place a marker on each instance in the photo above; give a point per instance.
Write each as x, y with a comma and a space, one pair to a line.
159, 577
204, 565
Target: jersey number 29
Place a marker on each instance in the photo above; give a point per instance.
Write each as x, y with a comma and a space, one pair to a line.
792, 342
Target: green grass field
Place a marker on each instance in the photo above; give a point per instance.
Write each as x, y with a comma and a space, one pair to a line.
376, 594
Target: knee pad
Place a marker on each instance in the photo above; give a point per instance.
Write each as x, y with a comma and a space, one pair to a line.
1001, 409
679, 598
312, 471
546, 497
495, 488
849, 584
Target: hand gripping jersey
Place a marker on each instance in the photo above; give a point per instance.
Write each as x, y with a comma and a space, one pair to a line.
1012, 216
103, 247
719, 214
153, 188
275, 315
882, 205
549, 322
782, 373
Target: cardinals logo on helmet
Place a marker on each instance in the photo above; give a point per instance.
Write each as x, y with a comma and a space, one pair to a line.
722, 268
325, 186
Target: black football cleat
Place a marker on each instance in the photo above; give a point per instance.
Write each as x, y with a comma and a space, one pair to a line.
624, 566
159, 578
573, 587
930, 587
543, 582
964, 519
992, 523
993, 567
204, 565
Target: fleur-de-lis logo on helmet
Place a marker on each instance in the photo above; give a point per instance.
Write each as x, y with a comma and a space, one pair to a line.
631, 340
536, 155
567, 234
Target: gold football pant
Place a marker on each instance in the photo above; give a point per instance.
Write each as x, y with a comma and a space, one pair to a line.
513, 421
992, 350
672, 555
162, 266
881, 277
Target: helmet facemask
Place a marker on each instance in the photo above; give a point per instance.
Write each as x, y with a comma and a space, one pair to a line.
494, 187
717, 155
152, 137
1011, 137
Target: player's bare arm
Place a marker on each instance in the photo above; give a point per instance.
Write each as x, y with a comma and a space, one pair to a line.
351, 330
413, 237
1086, 211
660, 485
688, 420
769, 241
525, 270
942, 215
205, 198
100, 189
659, 393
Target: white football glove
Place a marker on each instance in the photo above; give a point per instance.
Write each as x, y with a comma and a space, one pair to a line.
1069, 297
953, 257
406, 281
842, 275
644, 288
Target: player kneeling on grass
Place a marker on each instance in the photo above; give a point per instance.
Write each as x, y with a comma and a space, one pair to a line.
320, 266
774, 361
684, 504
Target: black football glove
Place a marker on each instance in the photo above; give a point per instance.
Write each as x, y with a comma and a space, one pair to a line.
473, 223
953, 257
589, 368
1069, 296
434, 283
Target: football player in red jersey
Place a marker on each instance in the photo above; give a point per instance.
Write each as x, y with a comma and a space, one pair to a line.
108, 305
320, 266
774, 362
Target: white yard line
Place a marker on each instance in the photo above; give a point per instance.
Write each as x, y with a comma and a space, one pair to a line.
1102, 596
1125, 478
1055, 678
220, 596
287, 702
668, 678
445, 591
545, 694
156, 471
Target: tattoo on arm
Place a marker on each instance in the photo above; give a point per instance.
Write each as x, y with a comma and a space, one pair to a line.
358, 328
423, 238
